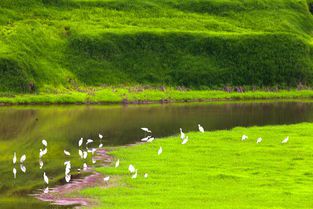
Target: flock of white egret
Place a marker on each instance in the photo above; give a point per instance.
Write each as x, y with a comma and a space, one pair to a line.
83, 153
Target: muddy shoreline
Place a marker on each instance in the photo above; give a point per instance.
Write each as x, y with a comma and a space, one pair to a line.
60, 194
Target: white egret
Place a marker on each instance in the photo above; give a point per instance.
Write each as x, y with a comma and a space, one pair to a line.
182, 135
259, 140
85, 154
23, 168
93, 161
68, 178
100, 145
131, 168
185, 140
14, 172
151, 139
23, 158
100, 136
146, 130
145, 139
201, 129
81, 154
85, 167
117, 163
285, 140
44, 142
106, 179
46, 190
40, 164
89, 141
45, 178
135, 175
160, 151
80, 142
145, 176
43, 152
67, 153
14, 158
244, 137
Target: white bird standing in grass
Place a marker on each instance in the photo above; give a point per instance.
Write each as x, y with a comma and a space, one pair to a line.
151, 139
46, 190
23, 168
182, 135
68, 178
117, 163
45, 178
259, 140
146, 130
145, 176
67, 153
43, 152
244, 137
100, 136
100, 145
285, 140
201, 129
131, 168
14, 158
145, 139
89, 141
23, 158
14, 172
185, 140
44, 142
85, 155
40, 164
106, 179
135, 175
160, 151
81, 154
80, 142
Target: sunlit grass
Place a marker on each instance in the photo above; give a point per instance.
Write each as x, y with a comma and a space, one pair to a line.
214, 170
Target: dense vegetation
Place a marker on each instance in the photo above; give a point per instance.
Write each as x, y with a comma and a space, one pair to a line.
67, 44
214, 170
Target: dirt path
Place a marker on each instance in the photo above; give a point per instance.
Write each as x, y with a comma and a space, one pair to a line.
59, 195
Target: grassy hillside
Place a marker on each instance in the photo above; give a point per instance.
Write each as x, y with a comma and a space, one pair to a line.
194, 43
214, 170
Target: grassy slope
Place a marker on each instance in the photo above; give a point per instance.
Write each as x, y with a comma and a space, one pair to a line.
203, 43
215, 170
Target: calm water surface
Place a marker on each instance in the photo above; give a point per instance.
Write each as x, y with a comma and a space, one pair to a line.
22, 128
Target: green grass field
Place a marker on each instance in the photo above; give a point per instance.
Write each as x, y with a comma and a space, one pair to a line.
59, 44
152, 95
215, 170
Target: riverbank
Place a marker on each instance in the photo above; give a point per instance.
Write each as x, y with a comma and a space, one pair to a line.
138, 96
214, 170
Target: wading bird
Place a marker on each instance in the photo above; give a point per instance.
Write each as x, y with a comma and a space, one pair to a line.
201, 129
14, 158
151, 139
131, 168
145, 139
145, 176
182, 135
160, 151
80, 142
259, 140
146, 130
106, 179
44, 142
45, 178
135, 175
285, 140
117, 163
244, 137
23, 158
67, 153
89, 141
100, 136
14, 172
185, 140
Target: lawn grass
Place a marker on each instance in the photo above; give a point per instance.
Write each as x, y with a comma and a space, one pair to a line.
214, 170
196, 44
142, 95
